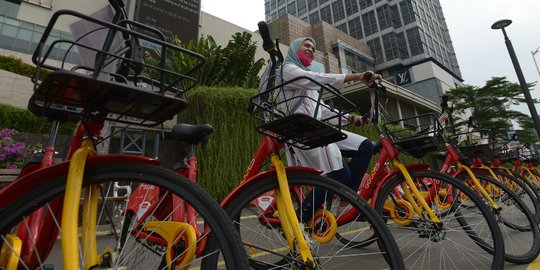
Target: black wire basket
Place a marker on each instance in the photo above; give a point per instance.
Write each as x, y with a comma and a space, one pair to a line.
504, 150
417, 135
125, 71
473, 144
283, 120
529, 154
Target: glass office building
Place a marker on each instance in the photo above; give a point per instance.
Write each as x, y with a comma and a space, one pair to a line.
409, 39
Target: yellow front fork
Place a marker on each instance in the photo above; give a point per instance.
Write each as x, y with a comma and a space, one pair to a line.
70, 213
289, 220
479, 187
10, 252
415, 194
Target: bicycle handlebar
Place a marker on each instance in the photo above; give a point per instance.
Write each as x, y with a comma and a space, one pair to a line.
268, 43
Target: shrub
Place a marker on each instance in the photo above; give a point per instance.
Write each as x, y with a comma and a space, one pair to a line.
17, 66
12, 153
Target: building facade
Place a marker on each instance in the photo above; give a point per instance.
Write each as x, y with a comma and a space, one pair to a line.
409, 39
22, 23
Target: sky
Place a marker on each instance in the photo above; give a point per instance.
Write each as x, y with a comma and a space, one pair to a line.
480, 50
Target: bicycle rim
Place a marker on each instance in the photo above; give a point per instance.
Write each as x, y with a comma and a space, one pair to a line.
524, 190
254, 214
519, 229
468, 238
222, 247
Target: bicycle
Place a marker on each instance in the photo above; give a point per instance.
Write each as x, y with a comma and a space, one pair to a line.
92, 94
267, 206
525, 166
514, 216
428, 212
478, 154
192, 136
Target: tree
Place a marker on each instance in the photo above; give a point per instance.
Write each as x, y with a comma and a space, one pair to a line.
231, 66
489, 108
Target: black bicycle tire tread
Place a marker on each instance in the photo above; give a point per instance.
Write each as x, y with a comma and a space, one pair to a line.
159, 176
270, 183
535, 248
498, 252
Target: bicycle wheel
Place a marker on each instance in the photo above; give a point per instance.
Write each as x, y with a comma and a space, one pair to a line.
222, 247
524, 190
519, 229
533, 178
255, 215
467, 237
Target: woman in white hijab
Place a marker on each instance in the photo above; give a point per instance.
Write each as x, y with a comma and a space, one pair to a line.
327, 158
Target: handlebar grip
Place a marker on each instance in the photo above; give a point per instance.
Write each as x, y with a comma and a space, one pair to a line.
367, 77
444, 102
268, 44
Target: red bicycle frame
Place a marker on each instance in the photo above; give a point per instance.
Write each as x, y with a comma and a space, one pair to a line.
149, 200
43, 231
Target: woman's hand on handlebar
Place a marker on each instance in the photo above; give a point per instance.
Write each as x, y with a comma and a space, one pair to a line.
359, 120
369, 77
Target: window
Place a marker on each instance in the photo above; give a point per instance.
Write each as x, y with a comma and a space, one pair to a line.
415, 41
9, 8
301, 4
342, 27
312, 4
282, 11
314, 17
326, 15
351, 7
407, 12
370, 23
365, 3
384, 14
273, 5
402, 45
291, 8
355, 63
24, 36
355, 28
376, 49
390, 46
338, 10
396, 19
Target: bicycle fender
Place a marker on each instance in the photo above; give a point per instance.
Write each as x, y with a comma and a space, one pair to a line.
391, 175
240, 188
33, 179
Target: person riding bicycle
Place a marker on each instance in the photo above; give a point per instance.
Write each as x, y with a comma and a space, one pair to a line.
327, 158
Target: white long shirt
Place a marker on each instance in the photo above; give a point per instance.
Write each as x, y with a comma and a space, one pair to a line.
327, 158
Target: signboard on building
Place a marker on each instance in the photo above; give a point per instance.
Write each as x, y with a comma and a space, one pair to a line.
403, 77
172, 17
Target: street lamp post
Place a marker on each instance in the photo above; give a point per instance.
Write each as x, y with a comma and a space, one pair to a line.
534, 58
501, 24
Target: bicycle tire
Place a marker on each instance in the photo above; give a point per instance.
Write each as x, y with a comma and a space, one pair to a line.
519, 229
268, 248
533, 179
524, 190
222, 242
454, 244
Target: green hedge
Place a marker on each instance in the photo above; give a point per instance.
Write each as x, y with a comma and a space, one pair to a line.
223, 160
24, 121
17, 66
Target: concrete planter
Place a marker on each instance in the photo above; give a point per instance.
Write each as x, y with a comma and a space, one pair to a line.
7, 176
